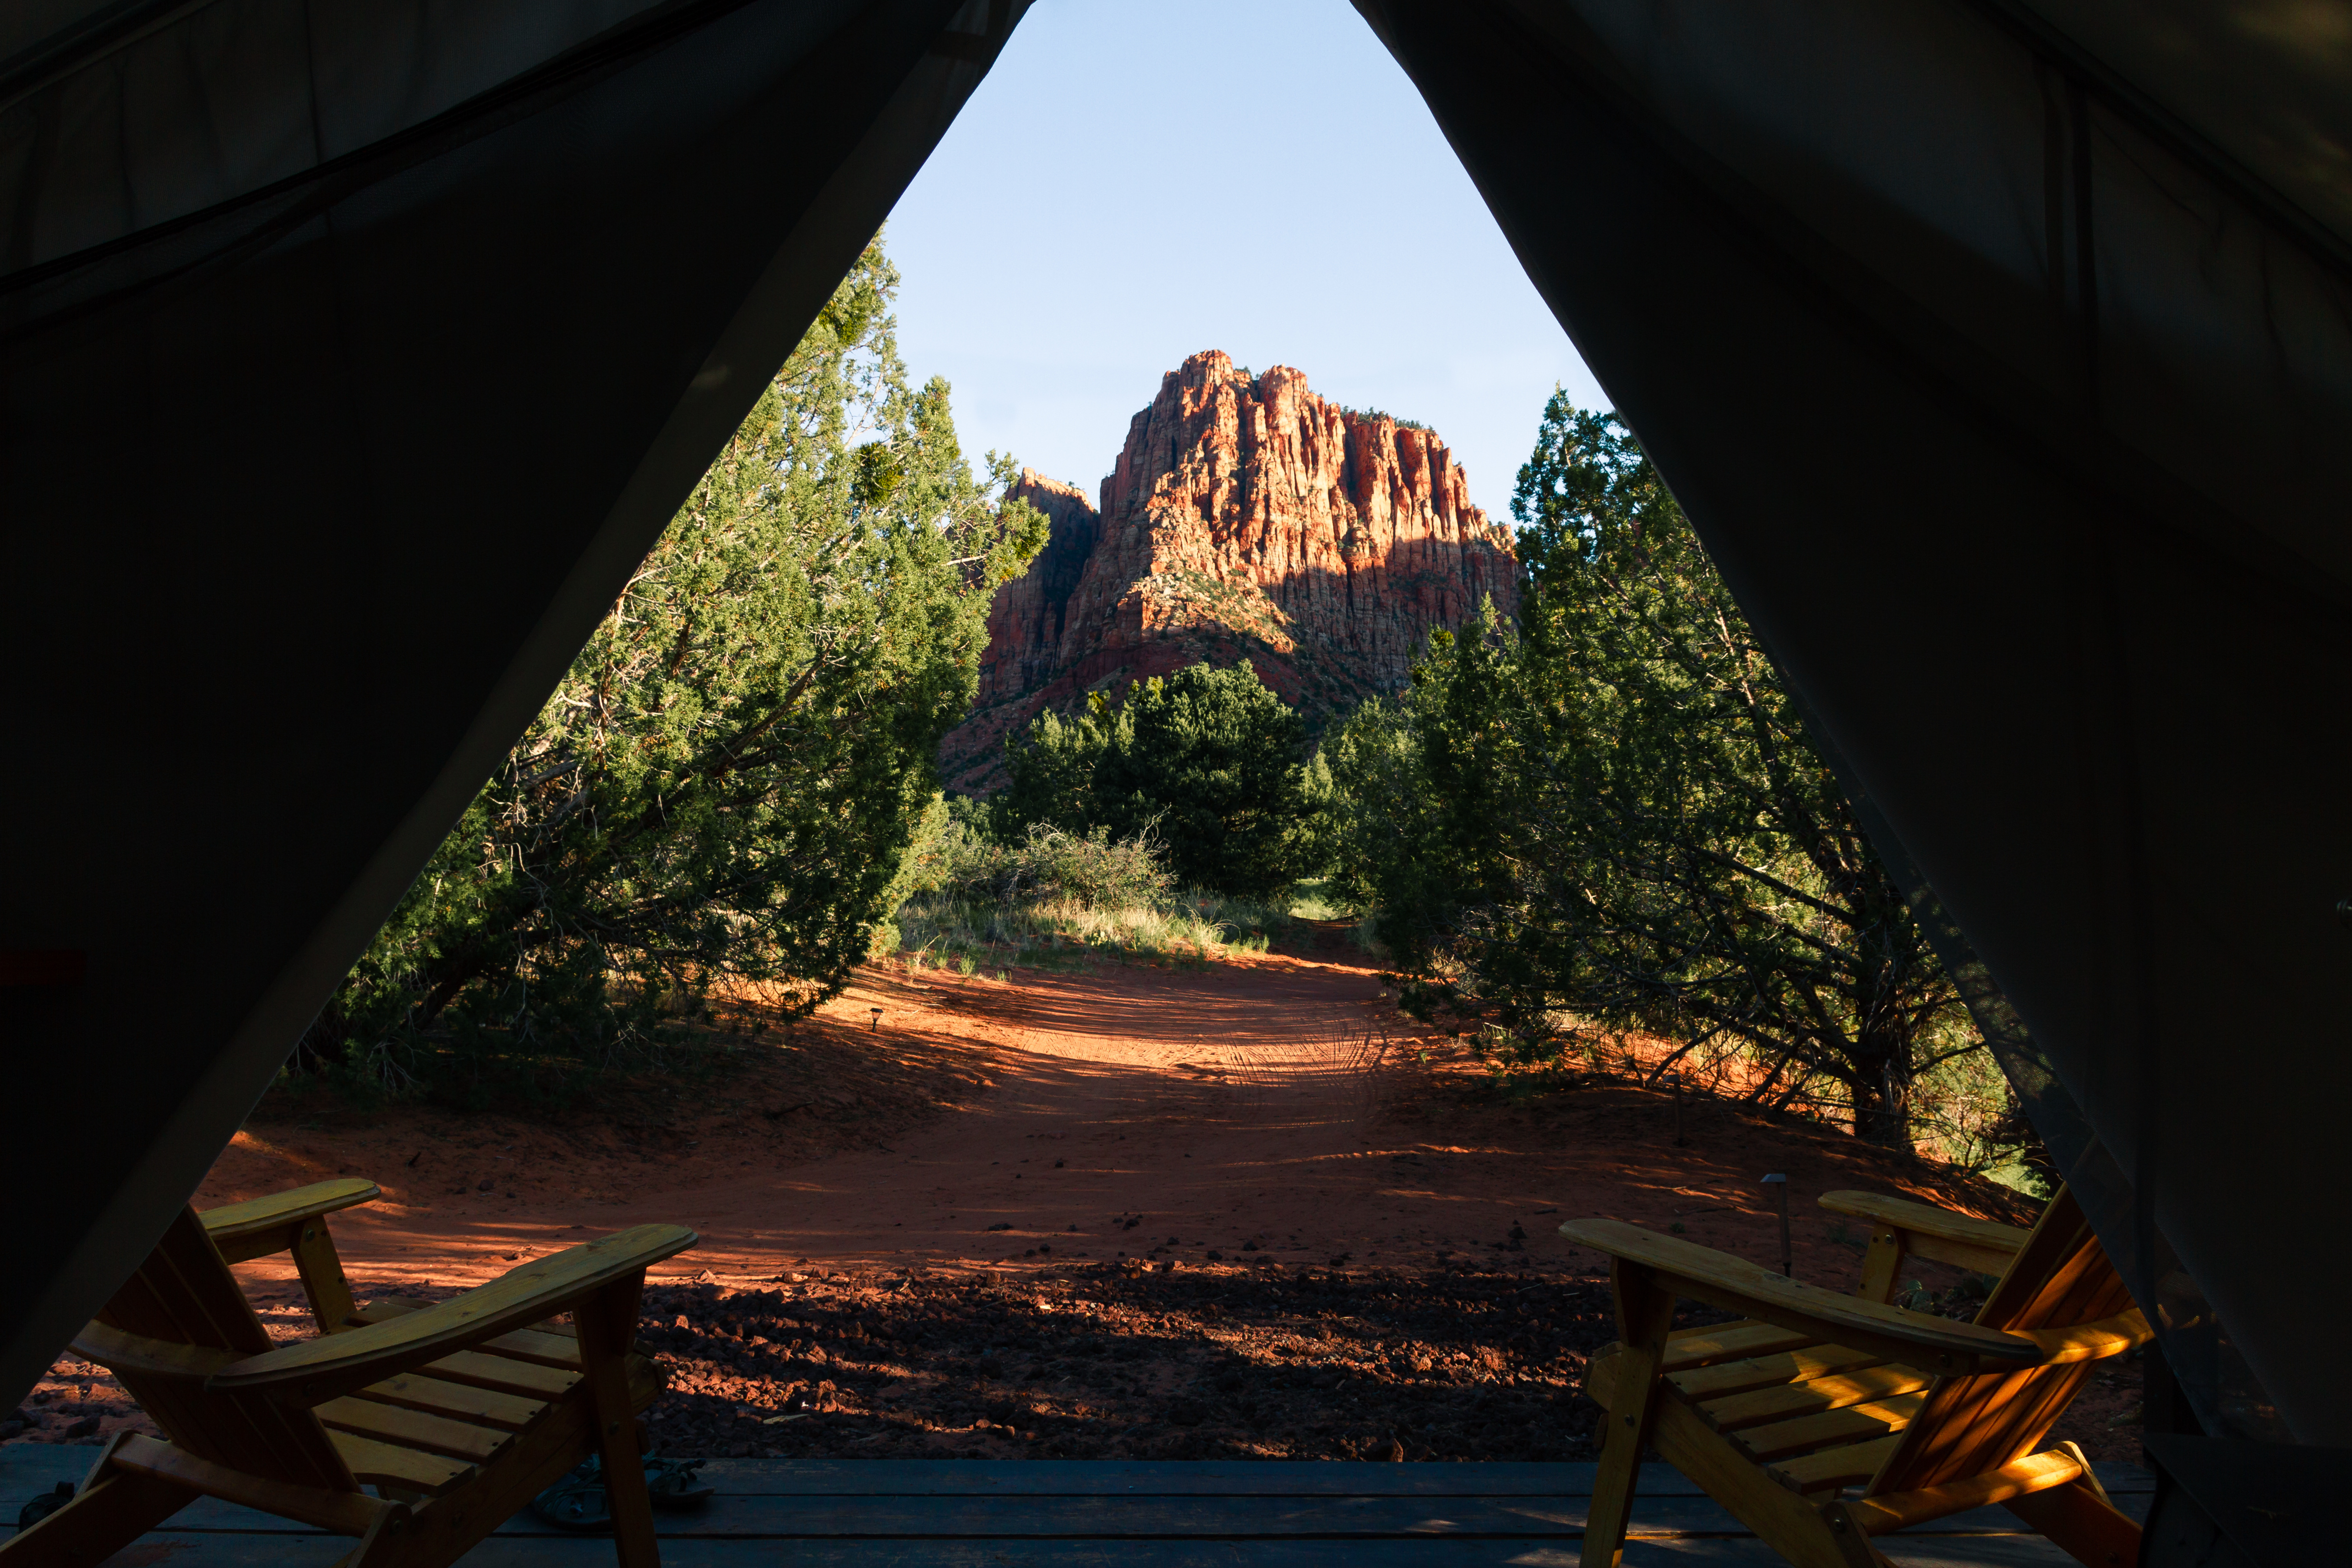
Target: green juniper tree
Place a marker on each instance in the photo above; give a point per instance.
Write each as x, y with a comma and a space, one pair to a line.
1205, 760
730, 776
1610, 816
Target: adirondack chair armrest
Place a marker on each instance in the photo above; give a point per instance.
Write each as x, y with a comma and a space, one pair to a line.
119, 1352
262, 1225
1935, 1232
1891, 1511
1916, 1339
315, 1371
294, 1222
2107, 1337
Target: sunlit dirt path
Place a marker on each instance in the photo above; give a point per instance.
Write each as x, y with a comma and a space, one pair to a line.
1233, 1109
1273, 1110
1220, 1108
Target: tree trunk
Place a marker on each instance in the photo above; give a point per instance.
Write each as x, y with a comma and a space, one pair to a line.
1882, 1100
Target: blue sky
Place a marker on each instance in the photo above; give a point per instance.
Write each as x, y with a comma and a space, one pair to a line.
1134, 184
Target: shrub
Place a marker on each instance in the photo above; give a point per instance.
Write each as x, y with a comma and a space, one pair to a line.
1053, 892
1047, 861
1206, 761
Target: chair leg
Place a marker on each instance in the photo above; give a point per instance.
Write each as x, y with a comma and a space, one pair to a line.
383, 1545
1850, 1538
1645, 1310
2080, 1522
113, 1509
1797, 1532
607, 1325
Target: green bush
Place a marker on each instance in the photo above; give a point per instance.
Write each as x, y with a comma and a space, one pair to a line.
1609, 817
1205, 760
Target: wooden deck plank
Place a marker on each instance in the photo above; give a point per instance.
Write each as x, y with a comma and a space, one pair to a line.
1139, 1518
1208, 1477
594, 1551
1099, 1514
1982, 1552
1148, 1517
1261, 1518
856, 1477
1144, 1516
27, 1467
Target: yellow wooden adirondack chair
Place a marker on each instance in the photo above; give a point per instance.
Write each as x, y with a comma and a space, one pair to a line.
458, 1414
1815, 1391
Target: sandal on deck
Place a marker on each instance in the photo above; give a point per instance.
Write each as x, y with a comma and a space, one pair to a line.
47, 1503
675, 1485
578, 1501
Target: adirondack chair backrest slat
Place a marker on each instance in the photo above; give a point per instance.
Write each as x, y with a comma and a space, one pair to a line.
184, 1294
2061, 1277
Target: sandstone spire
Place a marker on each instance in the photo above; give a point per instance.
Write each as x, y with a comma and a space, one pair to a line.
1246, 518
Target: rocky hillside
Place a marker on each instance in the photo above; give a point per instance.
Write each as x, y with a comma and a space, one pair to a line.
1247, 519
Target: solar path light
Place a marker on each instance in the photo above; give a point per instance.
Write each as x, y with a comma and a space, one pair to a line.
1779, 1181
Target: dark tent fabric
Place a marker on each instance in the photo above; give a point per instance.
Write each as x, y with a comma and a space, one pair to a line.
2002, 356
352, 350
352, 354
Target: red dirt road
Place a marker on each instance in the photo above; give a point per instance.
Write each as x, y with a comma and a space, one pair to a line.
1280, 1100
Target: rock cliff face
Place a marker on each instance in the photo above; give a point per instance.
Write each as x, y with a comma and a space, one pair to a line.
1247, 519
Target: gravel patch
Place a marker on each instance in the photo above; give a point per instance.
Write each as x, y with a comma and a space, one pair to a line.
1109, 1362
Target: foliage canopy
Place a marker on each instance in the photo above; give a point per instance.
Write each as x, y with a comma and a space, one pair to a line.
731, 771
1610, 816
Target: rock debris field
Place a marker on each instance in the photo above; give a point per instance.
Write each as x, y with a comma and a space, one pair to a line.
1109, 1363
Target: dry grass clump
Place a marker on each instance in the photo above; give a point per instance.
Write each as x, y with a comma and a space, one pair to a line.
1056, 897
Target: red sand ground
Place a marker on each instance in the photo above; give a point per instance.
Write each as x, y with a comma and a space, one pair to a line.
1280, 1100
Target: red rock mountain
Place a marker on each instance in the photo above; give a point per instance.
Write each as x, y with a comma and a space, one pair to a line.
1247, 519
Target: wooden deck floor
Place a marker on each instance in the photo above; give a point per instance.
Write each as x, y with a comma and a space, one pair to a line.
1102, 1514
